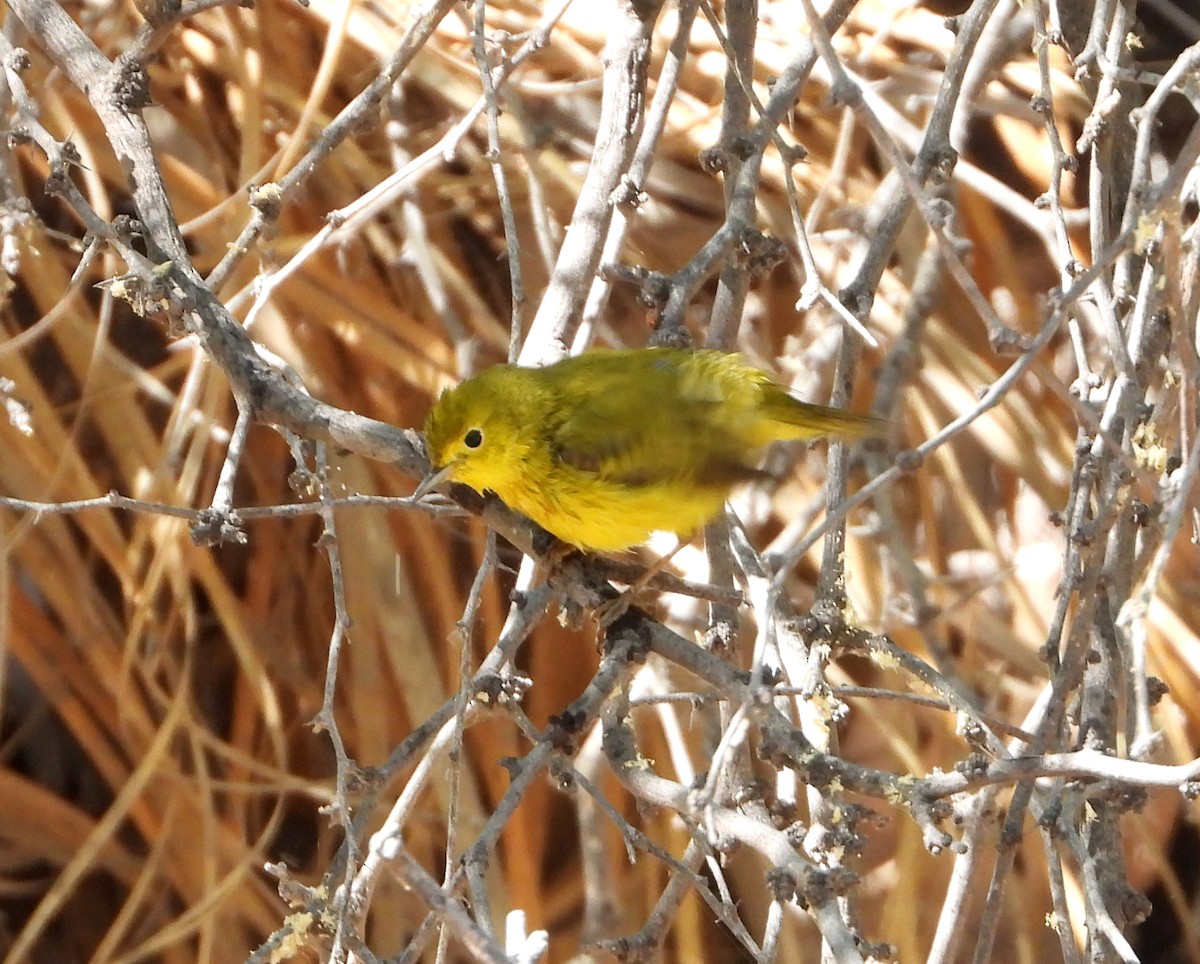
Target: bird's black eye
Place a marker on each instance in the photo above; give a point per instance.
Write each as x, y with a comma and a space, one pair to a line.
473, 439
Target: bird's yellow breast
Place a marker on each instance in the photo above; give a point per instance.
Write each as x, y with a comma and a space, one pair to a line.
593, 514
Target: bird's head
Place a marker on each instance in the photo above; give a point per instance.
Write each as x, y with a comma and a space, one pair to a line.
481, 432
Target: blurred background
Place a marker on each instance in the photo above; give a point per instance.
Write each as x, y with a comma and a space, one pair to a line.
157, 695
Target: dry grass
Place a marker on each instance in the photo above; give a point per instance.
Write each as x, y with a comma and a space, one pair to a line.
157, 694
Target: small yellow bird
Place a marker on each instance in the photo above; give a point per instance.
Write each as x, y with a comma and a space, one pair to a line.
606, 447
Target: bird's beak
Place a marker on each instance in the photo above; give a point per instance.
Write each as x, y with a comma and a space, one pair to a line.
432, 481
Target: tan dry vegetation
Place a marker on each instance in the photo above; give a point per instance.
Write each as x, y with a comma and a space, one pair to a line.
158, 694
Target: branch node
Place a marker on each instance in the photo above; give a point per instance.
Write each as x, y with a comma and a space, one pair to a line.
131, 87
267, 199
216, 527
18, 60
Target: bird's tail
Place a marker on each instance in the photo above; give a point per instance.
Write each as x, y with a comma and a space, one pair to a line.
800, 420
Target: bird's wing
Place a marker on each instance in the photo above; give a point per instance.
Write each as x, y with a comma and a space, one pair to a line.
633, 420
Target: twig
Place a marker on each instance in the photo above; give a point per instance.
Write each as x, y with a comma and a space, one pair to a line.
626, 59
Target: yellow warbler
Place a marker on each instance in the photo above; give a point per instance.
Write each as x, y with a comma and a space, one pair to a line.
606, 447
